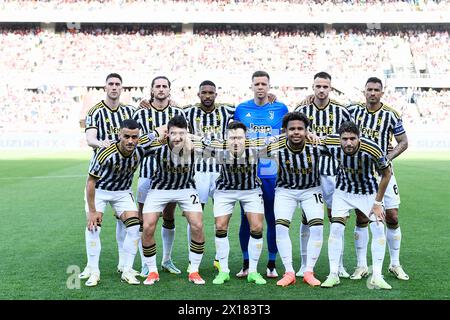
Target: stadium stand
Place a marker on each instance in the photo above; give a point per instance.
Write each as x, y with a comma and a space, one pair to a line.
53, 71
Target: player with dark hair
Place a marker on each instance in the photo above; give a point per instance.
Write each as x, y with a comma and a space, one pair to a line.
262, 119
357, 187
109, 181
379, 122
158, 113
209, 120
326, 116
172, 182
102, 128
298, 185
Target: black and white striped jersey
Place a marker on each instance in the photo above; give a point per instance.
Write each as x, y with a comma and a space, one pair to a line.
174, 169
107, 121
378, 126
149, 119
297, 169
357, 173
241, 172
324, 121
114, 170
211, 125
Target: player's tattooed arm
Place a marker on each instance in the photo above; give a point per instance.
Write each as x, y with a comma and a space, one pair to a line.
377, 208
402, 145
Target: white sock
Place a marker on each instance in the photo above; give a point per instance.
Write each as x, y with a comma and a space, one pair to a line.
150, 258
394, 239
314, 246
335, 246
361, 242
141, 251
196, 255
341, 258
304, 237
284, 246
254, 252
120, 237
188, 234
130, 246
378, 247
222, 252
216, 258
151, 263
168, 237
93, 248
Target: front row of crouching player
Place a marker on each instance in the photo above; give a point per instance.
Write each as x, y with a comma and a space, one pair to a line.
297, 152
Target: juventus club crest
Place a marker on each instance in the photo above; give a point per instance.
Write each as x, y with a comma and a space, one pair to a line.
271, 115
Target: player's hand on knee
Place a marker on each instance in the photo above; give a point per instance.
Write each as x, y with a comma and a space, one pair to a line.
379, 213
94, 219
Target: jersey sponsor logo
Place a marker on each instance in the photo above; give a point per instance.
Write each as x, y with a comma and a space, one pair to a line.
113, 130
369, 133
254, 128
211, 129
322, 129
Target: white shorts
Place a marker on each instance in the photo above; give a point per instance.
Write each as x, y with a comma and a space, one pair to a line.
205, 183
157, 200
343, 202
144, 185
391, 198
309, 200
120, 201
328, 185
251, 201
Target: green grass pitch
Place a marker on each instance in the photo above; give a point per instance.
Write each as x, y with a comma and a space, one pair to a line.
43, 222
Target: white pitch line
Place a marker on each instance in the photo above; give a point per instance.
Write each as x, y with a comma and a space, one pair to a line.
45, 177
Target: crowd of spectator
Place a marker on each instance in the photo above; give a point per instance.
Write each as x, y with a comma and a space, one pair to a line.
312, 7
59, 109
44, 109
154, 49
150, 48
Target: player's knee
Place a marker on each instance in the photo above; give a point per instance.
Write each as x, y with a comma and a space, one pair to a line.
148, 229
221, 233
168, 223
256, 233
221, 225
361, 219
196, 227
392, 218
256, 227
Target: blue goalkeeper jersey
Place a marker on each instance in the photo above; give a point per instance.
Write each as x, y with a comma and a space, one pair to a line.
262, 121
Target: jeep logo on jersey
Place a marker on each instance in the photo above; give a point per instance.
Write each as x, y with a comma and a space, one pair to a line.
254, 128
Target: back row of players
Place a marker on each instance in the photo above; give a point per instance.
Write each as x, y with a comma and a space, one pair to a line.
244, 162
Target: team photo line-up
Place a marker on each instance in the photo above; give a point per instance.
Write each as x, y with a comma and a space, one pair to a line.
259, 154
